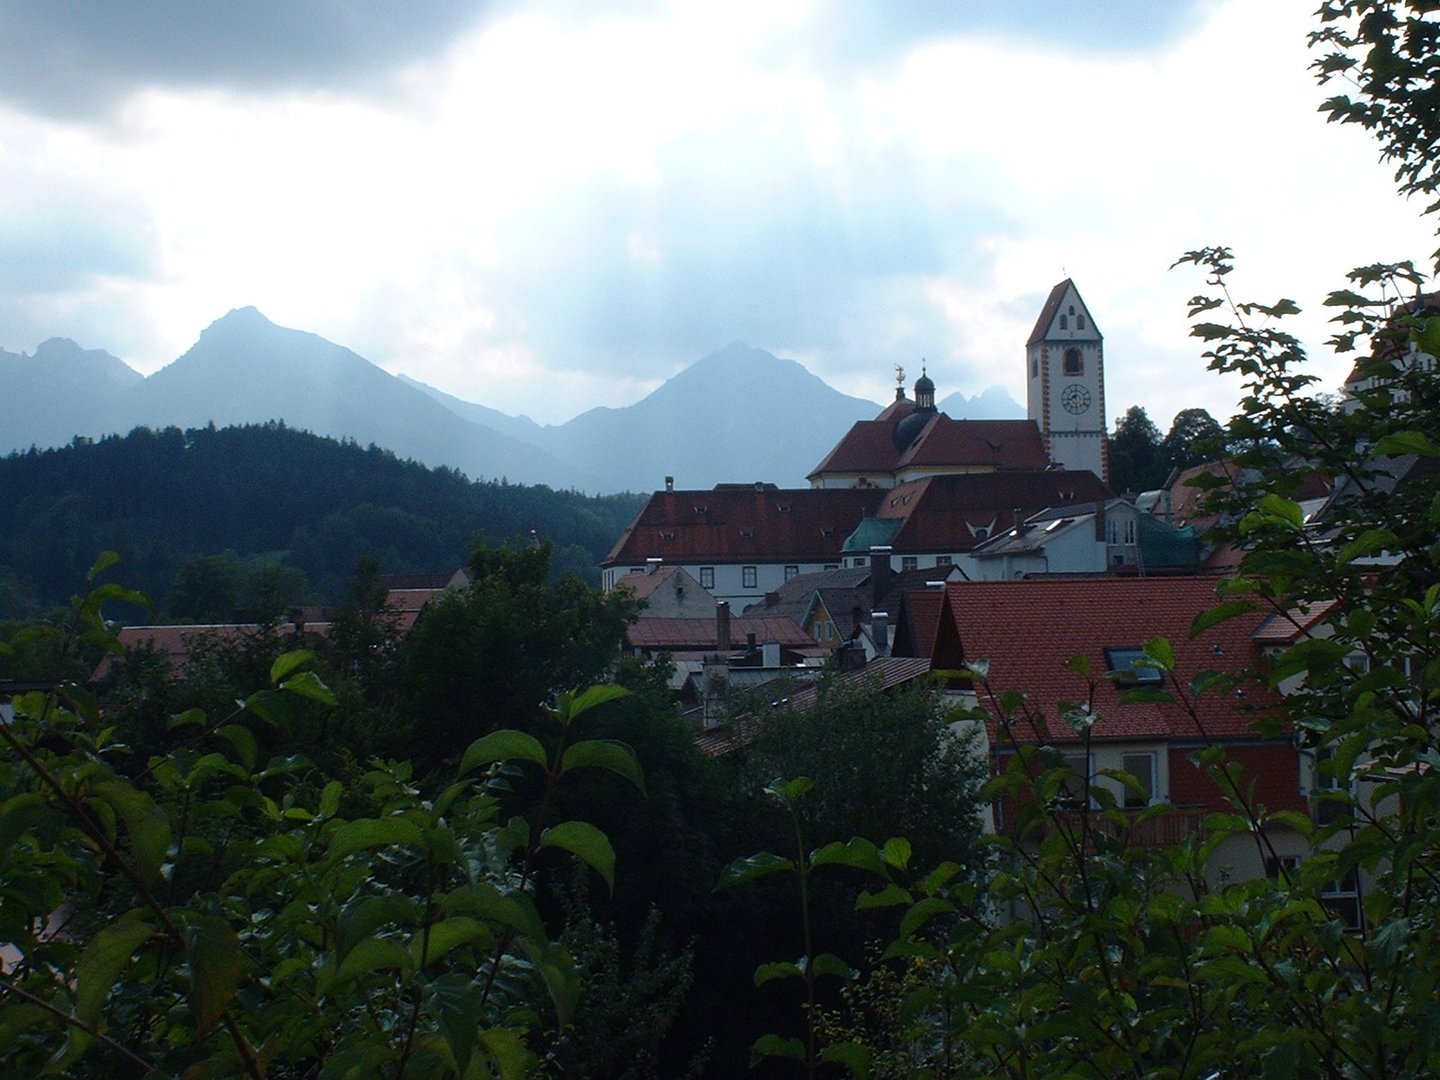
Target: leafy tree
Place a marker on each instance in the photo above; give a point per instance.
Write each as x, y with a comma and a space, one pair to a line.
1135, 452
206, 590
220, 914
494, 652
883, 763
1194, 437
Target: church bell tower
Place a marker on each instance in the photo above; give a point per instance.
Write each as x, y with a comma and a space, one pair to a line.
1065, 385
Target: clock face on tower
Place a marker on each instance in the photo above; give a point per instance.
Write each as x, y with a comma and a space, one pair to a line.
1075, 398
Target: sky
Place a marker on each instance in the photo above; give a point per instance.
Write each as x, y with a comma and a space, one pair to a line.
550, 205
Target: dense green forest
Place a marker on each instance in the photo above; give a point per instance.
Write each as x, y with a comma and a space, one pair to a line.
285, 514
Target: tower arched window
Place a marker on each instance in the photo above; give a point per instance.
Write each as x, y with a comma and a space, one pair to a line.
1079, 322
1064, 323
1074, 362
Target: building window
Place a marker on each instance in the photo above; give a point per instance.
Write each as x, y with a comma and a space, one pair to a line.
1075, 789
1074, 363
1142, 768
909, 562
1064, 323
1079, 322
832, 566
1129, 530
791, 572
1341, 898
1339, 807
942, 560
707, 577
1112, 532
1034, 367
747, 577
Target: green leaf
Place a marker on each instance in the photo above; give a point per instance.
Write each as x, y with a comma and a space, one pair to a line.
889, 896
145, 824
830, 964
100, 965
768, 1046
897, 852
1160, 654
584, 840
375, 954
789, 792
922, 912
330, 799
1281, 510
360, 919
503, 745
754, 866
17, 817
444, 936
243, 740
605, 754
217, 967
307, 684
782, 970
592, 698
557, 968
852, 1055
289, 662
457, 1002
858, 853
507, 1050
106, 560
372, 832
1407, 442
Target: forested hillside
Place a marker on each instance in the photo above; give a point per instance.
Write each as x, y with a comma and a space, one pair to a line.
266, 507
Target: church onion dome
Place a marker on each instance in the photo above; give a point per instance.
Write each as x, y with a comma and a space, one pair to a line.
909, 429
924, 393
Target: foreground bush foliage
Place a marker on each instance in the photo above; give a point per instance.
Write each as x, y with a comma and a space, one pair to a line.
208, 913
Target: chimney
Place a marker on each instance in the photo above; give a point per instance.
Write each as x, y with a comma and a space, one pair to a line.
669, 483
1099, 522
750, 642
771, 599
880, 632
879, 574
770, 654
722, 626
652, 564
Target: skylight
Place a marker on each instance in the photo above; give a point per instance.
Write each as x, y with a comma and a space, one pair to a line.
1129, 667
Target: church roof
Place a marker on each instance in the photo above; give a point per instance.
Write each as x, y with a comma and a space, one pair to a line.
1052, 308
869, 446
957, 511
734, 524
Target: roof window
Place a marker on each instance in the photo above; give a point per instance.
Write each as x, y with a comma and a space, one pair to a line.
1129, 666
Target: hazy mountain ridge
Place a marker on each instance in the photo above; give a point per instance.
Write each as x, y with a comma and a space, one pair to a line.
738, 414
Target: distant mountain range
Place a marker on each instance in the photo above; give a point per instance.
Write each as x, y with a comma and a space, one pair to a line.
739, 414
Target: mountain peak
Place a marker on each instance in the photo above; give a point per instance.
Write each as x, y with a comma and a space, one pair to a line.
239, 318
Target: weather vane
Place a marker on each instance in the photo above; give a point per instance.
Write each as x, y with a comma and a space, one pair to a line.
899, 375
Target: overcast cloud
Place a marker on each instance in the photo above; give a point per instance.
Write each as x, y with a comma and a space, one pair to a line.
548, 206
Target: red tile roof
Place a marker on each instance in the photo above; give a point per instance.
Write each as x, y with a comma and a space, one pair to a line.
698, 634
946, 513
736, 525
1028, 630
869, 446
